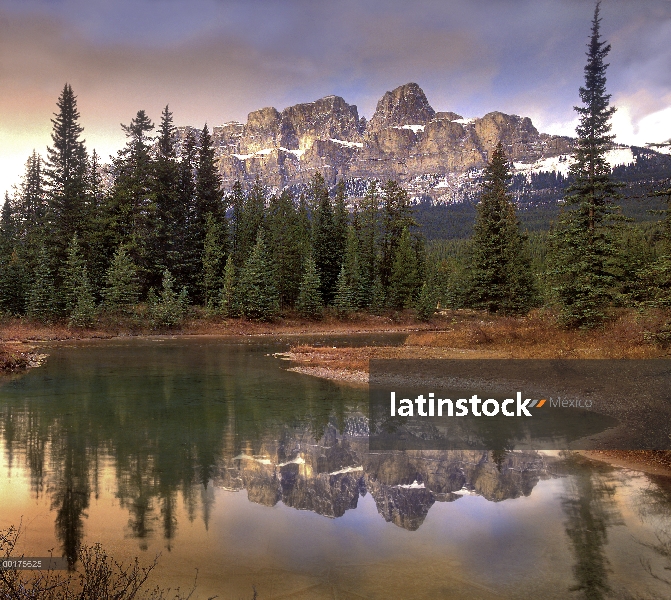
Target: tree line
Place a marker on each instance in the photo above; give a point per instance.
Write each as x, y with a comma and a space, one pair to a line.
156, 228
592, 260
162, 232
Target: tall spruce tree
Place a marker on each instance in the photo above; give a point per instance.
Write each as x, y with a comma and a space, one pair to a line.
404, 279
42, 301
310, 304
208, 181
208, 205
133, 198
97, 233
252, 219
397, 217
183, 253
71, 275
326, 243
258, 295
166, 193
65, 174
285, 241
236, 201
30, 211
584, 258
501, 280
228, 300
122, 289
369, 242
214, 260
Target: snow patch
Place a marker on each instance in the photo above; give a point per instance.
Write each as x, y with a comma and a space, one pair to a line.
412, 486
559, 164
413, 128
296, 461
257, 153
263, 461
620, 156
464, 491
347, 470
296, 153
562, 163
348, 144
464, 121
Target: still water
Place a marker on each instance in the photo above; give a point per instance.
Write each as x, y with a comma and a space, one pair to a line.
209, 452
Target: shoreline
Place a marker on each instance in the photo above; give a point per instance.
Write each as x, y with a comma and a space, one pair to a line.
453, 334
651, 462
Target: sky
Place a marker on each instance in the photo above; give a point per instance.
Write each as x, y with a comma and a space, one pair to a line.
215, 61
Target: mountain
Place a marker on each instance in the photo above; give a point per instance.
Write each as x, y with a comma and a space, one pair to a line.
328, 475
436, 156
406, 140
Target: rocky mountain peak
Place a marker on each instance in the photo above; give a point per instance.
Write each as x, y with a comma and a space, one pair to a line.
405, 105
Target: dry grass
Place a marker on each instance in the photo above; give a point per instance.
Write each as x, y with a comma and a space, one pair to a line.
467, 334
537, 336
23, 330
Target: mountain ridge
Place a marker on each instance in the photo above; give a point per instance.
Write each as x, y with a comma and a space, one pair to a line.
434, 155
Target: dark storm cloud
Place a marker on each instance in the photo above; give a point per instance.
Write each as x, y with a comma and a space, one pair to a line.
216, 60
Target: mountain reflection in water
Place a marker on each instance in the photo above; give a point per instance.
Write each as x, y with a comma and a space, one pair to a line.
163, 424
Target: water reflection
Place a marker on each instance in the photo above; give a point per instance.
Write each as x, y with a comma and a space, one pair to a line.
172, 419
590, 511
162, 426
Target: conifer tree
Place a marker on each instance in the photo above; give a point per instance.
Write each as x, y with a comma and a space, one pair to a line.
501, 279
286, 245
369, 234
352, 266
97, 231
169, 308
310, 304
30, 212
252, 219
208, 181
228, 300
340, 218
71, 275
397, 216
404, 276
426, 302
258, 295
42, 304
65, 174
84, 310
236, 201
326, 244
183, 253
7, 225
134, 200
584, 262
122, 289
166, 193
345, 297
214, 257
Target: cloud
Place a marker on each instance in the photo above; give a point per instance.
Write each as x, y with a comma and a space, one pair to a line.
217, 60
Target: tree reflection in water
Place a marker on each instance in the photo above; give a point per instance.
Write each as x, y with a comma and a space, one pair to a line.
589, 508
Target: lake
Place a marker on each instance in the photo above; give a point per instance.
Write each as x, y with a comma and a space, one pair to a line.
209, 452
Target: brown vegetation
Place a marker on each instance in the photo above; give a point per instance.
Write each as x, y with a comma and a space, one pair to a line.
100, 578
469, 334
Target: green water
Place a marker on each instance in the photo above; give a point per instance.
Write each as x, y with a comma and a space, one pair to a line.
211, 453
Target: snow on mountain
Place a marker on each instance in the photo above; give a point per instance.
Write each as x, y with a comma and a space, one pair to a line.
560, 164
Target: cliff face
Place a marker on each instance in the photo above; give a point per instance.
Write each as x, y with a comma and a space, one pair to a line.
406, 139
327, 476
